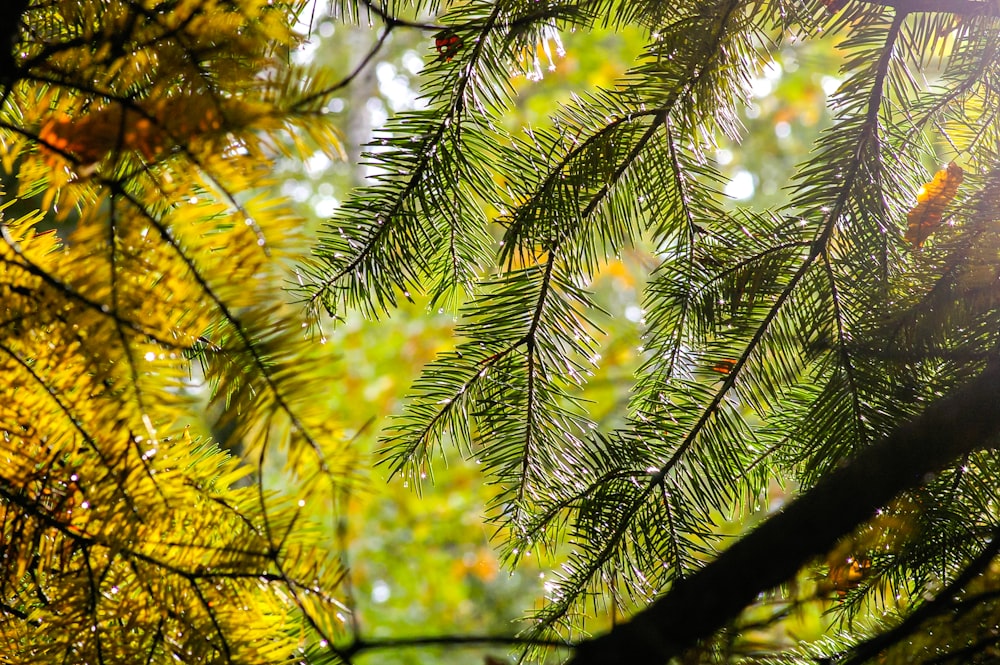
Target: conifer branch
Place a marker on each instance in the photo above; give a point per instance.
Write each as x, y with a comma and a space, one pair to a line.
360, 645
690, 236
946, 600
68, 412
964, 421
843, 350
65, 289
389, 216
126, 345
611, 541
224, 310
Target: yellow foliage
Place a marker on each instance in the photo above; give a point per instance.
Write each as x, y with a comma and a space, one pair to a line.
138, 255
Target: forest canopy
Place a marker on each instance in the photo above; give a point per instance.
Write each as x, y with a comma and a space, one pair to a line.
770, 439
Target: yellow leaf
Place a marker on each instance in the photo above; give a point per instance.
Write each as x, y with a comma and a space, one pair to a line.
924, 218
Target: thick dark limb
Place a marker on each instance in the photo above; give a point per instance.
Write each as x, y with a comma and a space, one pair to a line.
968, 419
11, 12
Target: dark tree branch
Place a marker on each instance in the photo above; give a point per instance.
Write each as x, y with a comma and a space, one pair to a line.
361, 645
11, 12
968, 419
392, 21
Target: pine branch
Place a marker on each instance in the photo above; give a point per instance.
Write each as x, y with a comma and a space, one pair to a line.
962, 422
945, 601
361, 645
610, 518
73, 294
260, 363
845, 359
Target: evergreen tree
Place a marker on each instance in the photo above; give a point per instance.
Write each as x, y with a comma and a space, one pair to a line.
843, 343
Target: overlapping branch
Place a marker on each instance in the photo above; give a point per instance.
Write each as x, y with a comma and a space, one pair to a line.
965, 421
